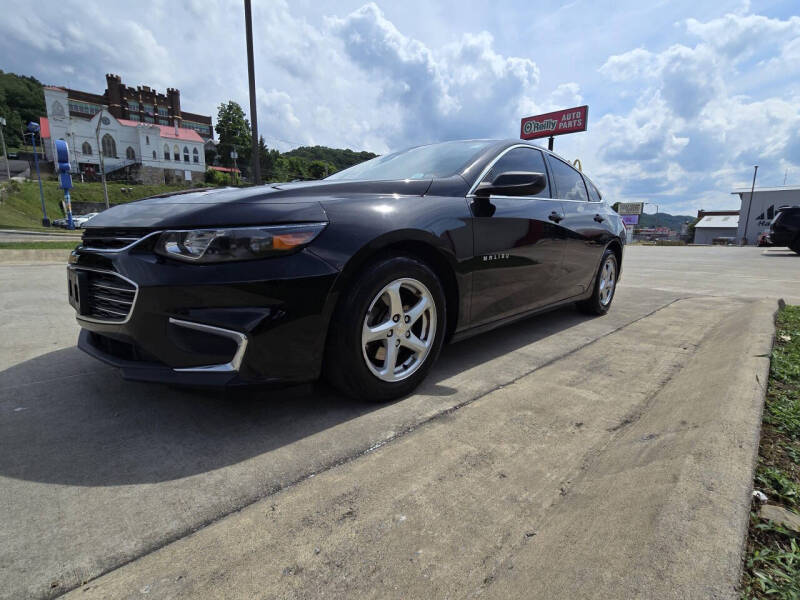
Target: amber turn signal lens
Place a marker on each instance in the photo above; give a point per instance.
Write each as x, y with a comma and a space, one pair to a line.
288, 241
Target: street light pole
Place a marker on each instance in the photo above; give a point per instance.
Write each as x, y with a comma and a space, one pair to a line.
100, 154
248, 22
5, 152
33, 128
749, 206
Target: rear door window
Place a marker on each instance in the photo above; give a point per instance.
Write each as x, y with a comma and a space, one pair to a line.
567, 181
521, 159
594, 195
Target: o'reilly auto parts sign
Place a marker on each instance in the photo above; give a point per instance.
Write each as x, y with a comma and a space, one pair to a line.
559, 122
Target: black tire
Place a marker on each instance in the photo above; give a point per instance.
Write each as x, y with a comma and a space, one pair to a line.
597, 303
795, 245
345, 365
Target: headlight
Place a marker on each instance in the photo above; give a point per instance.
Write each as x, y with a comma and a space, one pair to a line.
240, 243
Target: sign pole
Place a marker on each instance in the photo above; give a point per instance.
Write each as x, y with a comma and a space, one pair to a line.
550, 143
64, 178
749, 205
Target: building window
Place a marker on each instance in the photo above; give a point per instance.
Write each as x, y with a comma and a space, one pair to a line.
148, 108
133, 106
163, 122
166, 152
163, 112
185, 154
198, 127
149, 119
196, 155
130, 154
147, 140
154, 155
109, 146
134, 117
86, 148
176, 152
83, 108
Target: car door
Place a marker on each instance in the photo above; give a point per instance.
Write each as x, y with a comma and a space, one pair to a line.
585, 225
518, 244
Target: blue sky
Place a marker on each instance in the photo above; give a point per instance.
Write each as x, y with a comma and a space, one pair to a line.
685, 97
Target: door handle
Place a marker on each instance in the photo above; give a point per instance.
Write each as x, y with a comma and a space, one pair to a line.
555, 217
599, 218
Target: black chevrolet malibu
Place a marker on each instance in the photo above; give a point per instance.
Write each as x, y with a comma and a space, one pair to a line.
361, 276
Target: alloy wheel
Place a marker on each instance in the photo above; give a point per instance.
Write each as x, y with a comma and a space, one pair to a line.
608, 281
399, 329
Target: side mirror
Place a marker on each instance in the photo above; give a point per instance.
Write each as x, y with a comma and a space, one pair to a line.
513, 183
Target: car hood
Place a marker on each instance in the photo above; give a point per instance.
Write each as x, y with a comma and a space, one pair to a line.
271, 203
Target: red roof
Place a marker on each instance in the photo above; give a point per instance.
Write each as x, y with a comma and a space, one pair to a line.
44, 127
224, 169
167, 131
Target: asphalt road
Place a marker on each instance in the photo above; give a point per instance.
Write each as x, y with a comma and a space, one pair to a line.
96, 472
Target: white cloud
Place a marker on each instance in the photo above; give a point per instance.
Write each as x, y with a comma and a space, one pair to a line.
676, 113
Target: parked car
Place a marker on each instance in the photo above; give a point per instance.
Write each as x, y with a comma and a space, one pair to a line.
80, 221
361, 276
784, 230
763, 239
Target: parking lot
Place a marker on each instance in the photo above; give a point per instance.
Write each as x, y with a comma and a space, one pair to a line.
488, 480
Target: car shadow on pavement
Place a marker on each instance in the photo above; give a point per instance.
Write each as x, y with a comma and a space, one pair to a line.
86, 426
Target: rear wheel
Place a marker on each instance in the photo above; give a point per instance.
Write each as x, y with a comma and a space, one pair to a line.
795, 245
387, 331
604, 286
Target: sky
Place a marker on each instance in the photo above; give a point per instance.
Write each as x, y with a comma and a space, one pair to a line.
684, 96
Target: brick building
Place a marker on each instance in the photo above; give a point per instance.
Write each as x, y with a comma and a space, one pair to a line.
143, 135
141, 104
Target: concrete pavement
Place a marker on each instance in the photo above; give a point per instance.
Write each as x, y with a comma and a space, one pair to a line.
96, 472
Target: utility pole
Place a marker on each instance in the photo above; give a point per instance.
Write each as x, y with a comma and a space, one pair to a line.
5, 152
248, 22
749, 206
100, 154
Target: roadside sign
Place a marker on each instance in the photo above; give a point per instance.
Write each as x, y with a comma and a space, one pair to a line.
630, 208
568, 120
630, 219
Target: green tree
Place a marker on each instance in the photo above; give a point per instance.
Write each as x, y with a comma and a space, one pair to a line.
319, 169
268, 159
21, 101
233, 130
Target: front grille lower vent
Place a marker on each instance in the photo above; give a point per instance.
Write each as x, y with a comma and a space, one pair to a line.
110, 297
112, 239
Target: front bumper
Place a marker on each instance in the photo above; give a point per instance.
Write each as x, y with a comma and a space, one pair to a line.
249, 322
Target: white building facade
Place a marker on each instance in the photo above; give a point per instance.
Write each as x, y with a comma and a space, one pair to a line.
141, 152
755, 216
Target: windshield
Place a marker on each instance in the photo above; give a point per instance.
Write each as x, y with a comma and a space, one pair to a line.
421, 162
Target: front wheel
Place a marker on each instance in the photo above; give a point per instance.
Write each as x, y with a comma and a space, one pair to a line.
604, 286
387, 331
795, 245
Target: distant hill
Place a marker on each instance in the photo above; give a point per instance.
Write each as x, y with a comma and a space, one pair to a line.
340, 158
665, 220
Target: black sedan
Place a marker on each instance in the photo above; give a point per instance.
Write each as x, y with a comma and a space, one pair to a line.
361, 276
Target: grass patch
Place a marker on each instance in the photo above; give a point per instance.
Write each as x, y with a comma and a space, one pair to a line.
38, 245
22, 207
772, 566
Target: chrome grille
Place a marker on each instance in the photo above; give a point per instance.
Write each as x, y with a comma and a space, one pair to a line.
112, 239
110, 296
